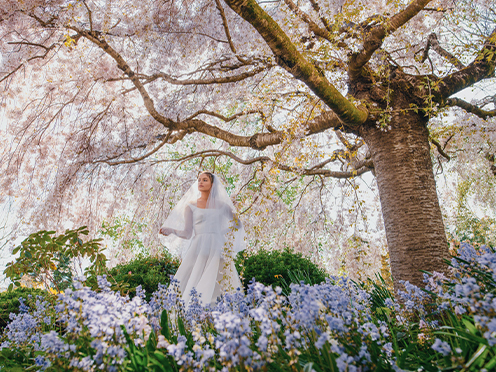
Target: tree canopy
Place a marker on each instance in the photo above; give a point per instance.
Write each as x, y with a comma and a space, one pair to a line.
111, 106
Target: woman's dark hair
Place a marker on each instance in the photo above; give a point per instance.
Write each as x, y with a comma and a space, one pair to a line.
210, 175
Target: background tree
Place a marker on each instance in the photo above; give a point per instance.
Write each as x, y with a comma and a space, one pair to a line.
99, 95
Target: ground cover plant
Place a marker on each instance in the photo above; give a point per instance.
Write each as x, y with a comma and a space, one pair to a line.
333, 326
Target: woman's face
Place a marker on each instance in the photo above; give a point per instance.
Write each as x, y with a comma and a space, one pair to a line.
204, 183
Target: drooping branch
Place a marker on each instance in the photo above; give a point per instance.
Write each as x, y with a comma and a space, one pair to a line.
226, 30
313, 171
288, 57
377, 34
121, 64
481, 68
38, 56
484, 114
227, 119
433, 42
135, 160
440, 149
219, 80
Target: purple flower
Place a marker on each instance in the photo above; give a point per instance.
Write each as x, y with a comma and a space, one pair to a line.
40, 361
441, 347
344, 363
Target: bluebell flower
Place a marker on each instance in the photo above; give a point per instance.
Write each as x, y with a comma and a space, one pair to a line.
441, 347
324, 337
40, 361
387, 348
344, 363
23, 308
336, 324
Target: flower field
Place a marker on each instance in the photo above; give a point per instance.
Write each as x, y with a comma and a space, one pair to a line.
337, 325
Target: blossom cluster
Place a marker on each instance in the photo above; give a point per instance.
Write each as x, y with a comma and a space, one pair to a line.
470, 290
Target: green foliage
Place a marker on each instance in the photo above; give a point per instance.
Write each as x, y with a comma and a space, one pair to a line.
470, 227
379, 291
279, 268
46, 257
149, 358
15, 360
126, 232
145, 271
476, 230
9, 301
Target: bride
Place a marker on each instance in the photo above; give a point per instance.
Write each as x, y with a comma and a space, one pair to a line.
204, 227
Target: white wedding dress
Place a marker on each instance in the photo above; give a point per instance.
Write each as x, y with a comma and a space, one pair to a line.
204, 266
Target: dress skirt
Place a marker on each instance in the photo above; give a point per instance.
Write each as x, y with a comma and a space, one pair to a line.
204, 268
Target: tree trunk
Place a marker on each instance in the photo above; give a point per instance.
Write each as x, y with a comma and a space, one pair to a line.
410, 207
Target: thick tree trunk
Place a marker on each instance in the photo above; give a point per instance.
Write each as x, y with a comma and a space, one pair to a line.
410, 207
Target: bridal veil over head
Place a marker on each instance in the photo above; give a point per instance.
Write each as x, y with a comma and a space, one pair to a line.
229, 223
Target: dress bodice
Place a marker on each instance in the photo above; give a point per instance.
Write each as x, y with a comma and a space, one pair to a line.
206, 221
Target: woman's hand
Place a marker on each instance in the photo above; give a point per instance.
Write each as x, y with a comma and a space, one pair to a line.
165, 231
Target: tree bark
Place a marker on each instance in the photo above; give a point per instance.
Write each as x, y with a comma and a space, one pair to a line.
410, 208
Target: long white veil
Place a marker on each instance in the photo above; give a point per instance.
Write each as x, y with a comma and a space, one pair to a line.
229, 222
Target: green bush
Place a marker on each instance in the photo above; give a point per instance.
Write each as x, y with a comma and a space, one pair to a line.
279, 268
9, 302
145, 271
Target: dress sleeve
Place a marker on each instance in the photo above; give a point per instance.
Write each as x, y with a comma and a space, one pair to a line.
188, 229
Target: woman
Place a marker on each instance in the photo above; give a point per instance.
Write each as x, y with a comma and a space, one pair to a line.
208, 233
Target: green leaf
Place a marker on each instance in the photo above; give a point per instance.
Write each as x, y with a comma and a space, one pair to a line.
159, 365
180, 325
308, 367
477, 354
130, 343
152, 342
491, 364
164, 323
469, 325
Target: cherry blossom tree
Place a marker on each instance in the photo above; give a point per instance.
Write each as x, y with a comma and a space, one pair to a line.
103, 93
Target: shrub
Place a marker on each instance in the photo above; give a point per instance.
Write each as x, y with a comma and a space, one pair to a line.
279, 268
145, 271
9, 302
47, 257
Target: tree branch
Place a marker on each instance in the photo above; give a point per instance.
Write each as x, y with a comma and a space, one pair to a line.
226, 30
227, 119
440, 149
323, 33
484, 114
316, 170
324, 21
258, 141
47, 50
433, 42
220, 80
288, 57
481, 68
135, 160
121, 63
377, 34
